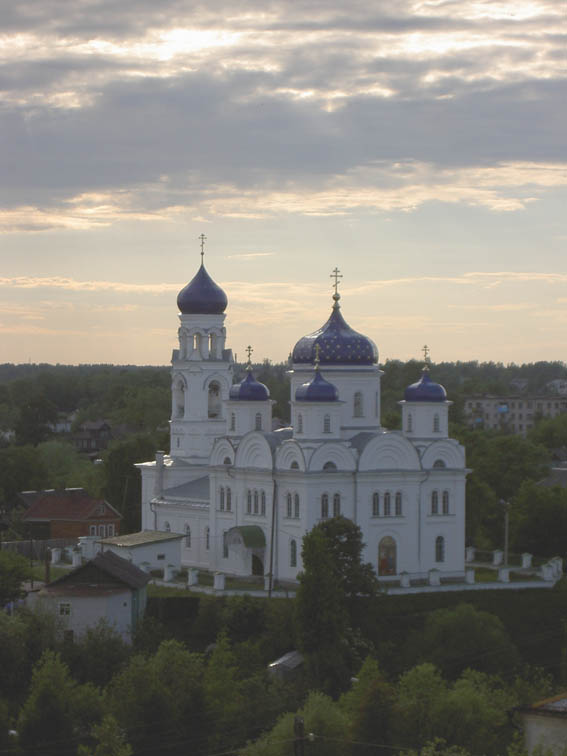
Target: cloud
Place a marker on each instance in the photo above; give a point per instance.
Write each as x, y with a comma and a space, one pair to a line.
249, 255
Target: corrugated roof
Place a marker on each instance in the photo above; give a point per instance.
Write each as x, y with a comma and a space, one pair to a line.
194, 489
110, 564
66, 504
142, 538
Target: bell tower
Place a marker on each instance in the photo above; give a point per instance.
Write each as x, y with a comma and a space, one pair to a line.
201, 369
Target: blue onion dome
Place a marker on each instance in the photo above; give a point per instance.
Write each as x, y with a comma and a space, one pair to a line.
249, 390
317, 390
202, 296
425, 390
338, 343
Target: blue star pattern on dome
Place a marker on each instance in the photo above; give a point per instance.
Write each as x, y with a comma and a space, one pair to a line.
202, 296
425, 390
339, 344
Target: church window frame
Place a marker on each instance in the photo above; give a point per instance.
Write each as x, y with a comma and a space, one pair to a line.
225, 544
228, 499
258, 421
329, 466
439, 464
233, 421
294, 465
289, 504
296, 506
376, 504
248, 501
214, 400
207, 538
256, 505
436, 423
187, 536
167, 527
221, 499
300, 423
440, 549
357, 404
409, 423
227, 461
327, 424
398, 504
293, 553
325, 506
263, 503
445, 502
337, 505
387, 504
434, 502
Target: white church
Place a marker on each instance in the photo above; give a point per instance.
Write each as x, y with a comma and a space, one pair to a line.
243, 496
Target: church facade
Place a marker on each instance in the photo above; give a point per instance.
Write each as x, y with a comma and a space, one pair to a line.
243, 496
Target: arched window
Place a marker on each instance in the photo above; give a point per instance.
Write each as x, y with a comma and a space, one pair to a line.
327, 424
445, 502
436, 426
387, 504
226, 461
224, 545
329, 466
300, 423
187, 536
233, 421
207, 538
387, 556
294, 466
357, 404
336, 505
255, 502
221, 499
211, 345
167, 527
263, 503
324, 506
409, 426
196, 340
249, 502
228, 500
288, 505
296, 506
398, 504
375, 505
178, 398
214, 406
434, 503
439, 463
293, 553
258, 421
439, 549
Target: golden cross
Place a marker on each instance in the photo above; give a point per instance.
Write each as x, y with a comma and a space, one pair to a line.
425, 351
249, 351
202, 238
317, 352
336, 274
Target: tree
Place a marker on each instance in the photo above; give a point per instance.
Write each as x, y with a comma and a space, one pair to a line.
110, 740
57, 712
321, 614
460, 637
368, 706
14, 569
539, 520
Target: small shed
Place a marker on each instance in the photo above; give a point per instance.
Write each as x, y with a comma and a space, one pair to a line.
545, 725
148, 549
106, 588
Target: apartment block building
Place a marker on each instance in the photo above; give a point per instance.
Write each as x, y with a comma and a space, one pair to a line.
514, 413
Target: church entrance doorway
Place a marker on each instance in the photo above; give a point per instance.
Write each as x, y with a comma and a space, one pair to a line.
387, 556
257, 565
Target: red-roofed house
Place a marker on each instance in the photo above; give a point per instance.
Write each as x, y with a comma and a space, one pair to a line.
68, 513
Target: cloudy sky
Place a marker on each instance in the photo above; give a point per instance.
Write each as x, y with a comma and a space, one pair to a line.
417, 145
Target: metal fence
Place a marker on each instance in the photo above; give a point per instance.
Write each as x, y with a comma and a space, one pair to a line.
36, 549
